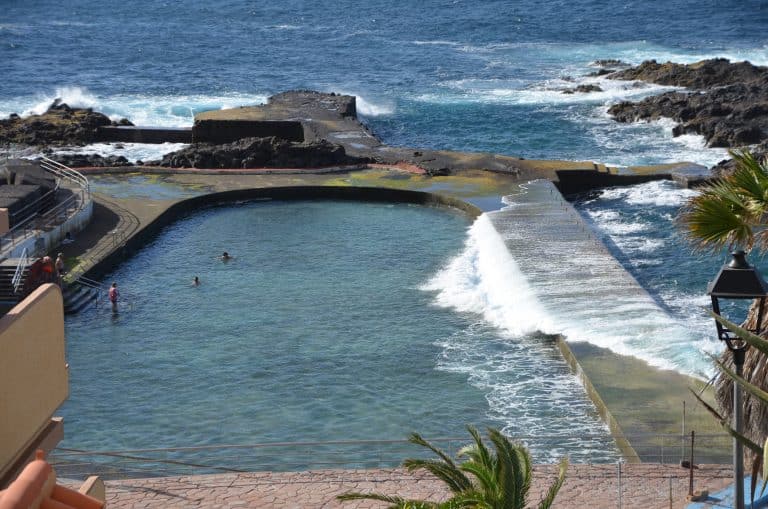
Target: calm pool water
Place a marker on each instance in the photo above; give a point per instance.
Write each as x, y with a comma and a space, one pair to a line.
320, 328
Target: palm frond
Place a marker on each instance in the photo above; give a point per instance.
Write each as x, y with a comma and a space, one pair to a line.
724, 424
394, 501
478, 451
752, 339
485, 477
732, 210
513, 469
549, 499
448, 473
751, 388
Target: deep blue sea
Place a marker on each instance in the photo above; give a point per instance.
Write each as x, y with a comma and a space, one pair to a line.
462, 75
457, 74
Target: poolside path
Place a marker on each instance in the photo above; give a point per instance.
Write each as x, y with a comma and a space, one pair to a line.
645, 486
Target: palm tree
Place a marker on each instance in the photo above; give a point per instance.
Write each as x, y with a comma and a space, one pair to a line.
733, 212
497, 480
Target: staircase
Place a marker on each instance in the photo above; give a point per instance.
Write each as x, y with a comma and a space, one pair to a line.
8, 296
78, 296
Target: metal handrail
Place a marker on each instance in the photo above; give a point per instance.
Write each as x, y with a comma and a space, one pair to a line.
77, 200
67, 173
17, 276
34, 205
335, 454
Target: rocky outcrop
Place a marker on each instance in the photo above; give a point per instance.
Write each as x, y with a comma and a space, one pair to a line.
91, 160
583, 89
59, 125
727, 102
707, 74
261, 153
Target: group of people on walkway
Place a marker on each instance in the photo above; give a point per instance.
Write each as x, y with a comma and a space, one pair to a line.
45, 270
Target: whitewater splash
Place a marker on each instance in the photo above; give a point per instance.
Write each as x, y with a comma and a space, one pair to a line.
484, 279
536, 266
502, 352
143, 110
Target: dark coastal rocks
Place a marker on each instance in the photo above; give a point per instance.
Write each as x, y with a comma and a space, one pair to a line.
59, 125
706, 74
269, 152
91, 160
728, 103
607, 66
583, 89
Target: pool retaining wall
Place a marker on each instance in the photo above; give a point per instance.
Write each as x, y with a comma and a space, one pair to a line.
182, 208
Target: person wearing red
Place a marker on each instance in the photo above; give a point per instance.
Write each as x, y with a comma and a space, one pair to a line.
114, 294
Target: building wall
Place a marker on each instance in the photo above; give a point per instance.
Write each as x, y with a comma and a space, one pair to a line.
34, 379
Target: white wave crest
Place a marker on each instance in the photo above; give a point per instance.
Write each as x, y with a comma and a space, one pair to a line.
76, 97
368, 107
131, 151
484, 279
161, 111
549, 92
659, 193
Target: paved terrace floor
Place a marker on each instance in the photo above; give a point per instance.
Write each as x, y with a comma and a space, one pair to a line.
646, 486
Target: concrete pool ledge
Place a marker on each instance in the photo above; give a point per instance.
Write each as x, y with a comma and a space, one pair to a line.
638, 402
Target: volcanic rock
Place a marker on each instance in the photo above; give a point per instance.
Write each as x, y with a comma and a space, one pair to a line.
728, 103
269, 152
706, 74
59, 125
583, 89
91, 160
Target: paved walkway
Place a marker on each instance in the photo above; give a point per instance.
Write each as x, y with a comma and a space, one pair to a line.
644, 486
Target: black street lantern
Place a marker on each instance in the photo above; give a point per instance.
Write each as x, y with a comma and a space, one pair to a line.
738, 280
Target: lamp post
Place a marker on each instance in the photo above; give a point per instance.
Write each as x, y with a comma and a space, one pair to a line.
738, 280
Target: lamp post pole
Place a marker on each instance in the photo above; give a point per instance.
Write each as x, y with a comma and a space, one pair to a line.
738, 280
738, 452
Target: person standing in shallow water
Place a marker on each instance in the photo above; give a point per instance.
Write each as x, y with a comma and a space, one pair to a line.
114, 294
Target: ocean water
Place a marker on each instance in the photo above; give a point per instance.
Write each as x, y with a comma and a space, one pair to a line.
447, 74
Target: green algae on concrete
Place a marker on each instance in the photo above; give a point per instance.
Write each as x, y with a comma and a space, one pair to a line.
481, 188
647, 408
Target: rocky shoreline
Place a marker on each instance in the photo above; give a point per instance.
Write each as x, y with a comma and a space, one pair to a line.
725, 102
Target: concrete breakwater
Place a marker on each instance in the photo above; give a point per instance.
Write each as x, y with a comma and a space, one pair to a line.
598, 308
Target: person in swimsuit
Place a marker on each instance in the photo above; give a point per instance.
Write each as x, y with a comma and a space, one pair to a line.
114, 294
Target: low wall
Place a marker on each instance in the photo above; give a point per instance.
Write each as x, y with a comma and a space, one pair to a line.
135, 134
627, 451
227, 131
194, 204
579, 181
45, 241
34, 379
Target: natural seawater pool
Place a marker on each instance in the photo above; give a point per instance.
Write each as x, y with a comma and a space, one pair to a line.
319, 329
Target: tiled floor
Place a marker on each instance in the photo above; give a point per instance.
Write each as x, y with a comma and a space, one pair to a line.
587, 486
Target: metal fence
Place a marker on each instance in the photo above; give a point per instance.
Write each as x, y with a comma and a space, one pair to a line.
348, 454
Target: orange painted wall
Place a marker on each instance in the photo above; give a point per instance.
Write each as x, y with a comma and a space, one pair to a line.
34, 380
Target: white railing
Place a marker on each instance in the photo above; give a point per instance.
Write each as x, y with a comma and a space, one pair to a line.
34, 220
66, 173
18, 276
